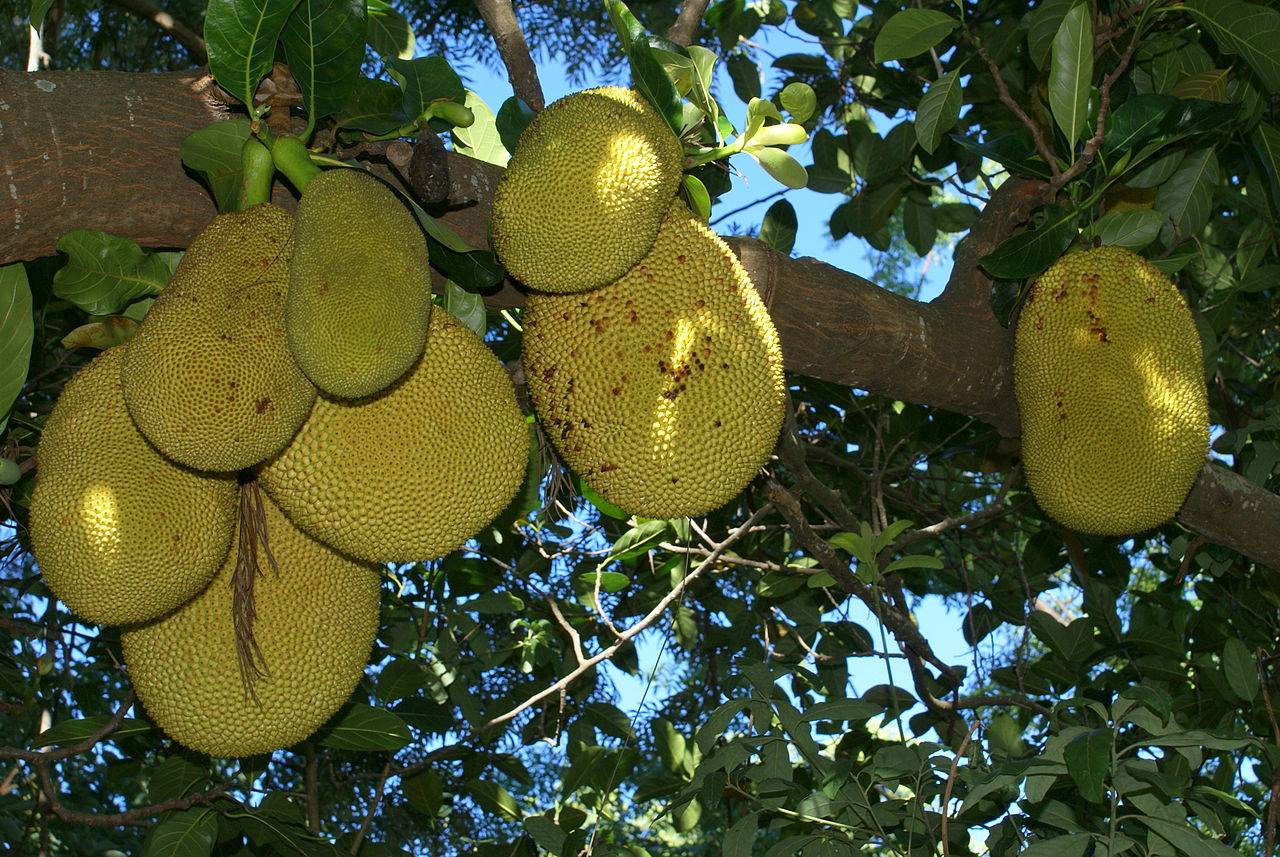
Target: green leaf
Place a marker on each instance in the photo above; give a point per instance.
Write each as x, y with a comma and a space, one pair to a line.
610, 581
1185, 838
375, 106
1029, 253
467, 307
798, 99
1135, 123
914, 561
745, 76
214, 151
669, 743
638, 540
939, 109
917, 224
185, 833
653, 81
482, 140
1069, 845
1088, 758
37, 10
324, 46
1071, 72
741, 836
388, 32
610, 719
240, 36
400, 678
842, 709
363, 727
1133, 229
495, 799
697, 196
1266, 142
105, 272
1248, 29
16, 331
513, 117
70, 731
545, 833
778, 229
594, 497
1188, 193
1208, 85
1043, 24
912, 32
1241, 669
495, 603
426, 79
175, 777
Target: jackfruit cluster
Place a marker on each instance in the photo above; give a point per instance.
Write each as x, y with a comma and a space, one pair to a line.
585, 191
1109, 380
651, 360
141, 514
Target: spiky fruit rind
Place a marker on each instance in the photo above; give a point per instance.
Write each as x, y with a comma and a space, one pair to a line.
121, 533
359, 285
586, 190
208, 377
315, 625
1109, 379
412, 473
664, 390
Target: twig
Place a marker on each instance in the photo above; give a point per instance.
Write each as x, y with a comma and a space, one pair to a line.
373, 808
969, 521
1274, 804
568, 629
1037, 134
951, 781
133, 817
686, 24
311, 784
82, 746
919, 677
742, 208
181, 33
626, 636
500, 17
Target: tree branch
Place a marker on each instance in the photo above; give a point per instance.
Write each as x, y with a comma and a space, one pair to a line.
500, 17
686, 24
112, 139
181, 33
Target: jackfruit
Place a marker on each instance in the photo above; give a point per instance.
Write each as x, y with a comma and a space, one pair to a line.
413, 472
121, 533
315, 623
1109, 380
586, 190
208, 377
359, 285
664, 390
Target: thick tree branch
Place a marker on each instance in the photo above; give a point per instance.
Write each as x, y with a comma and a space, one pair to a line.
686, 24
99, 150
500, 17
181, 33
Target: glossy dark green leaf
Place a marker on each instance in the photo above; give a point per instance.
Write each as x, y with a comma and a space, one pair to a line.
1241, 669
1136, 122
16, 331
363, 727
175, 777
779, 226
745, 76
1186, 196
912, 32
1071, 72
1248, 29
1014, 151
696, 196
388, 32
495, 603
375, 106
494, 798
741, 836
1043, 24
1066, 845
1028, 253
545, 832
424, 80
400, 678
639, 540
654, 82
36, 12
939, 109
70, 731
184, 833
1133, 229
1088, 759
1186, 839
324, 45
104, 273
513, 117
214, 152
467, 307
240, 36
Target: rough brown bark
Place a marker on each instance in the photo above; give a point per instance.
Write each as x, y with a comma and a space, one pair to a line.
100, 150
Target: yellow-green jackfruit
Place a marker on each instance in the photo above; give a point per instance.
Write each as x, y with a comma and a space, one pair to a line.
1109, 379
122, 534
208, 378
665, 389
586, 190
359, 285
315, 625
413, 472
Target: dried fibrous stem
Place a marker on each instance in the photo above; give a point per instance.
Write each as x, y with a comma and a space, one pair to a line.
253, 543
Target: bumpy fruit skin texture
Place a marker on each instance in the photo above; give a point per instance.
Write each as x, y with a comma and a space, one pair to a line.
316, 622
412, 473
665, 389
359, 285
586, 190
1109, 380
121, 533
208, 378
